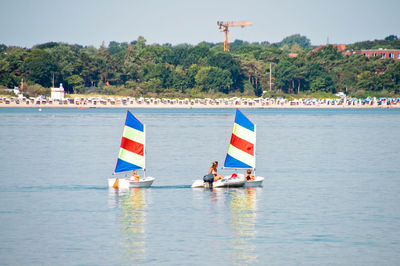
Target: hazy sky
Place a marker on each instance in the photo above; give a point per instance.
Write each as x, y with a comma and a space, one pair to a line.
91, 22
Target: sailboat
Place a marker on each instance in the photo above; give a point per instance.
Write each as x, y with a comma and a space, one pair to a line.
242, 149
240, 155
132, 154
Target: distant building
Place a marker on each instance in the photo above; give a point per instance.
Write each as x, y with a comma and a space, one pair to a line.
383, 53
394, 54
293, 55
57, 93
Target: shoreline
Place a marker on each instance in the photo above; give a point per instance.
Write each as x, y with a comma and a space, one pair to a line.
197, 103
187, 106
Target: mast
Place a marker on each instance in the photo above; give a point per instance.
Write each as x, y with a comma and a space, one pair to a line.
255, 141
144, 151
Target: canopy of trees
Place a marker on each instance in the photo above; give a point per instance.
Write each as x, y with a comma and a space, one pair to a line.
137, 69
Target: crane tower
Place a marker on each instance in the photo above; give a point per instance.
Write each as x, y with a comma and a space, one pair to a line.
224, 26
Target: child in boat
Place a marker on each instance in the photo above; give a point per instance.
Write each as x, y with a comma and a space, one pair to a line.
213, 171
249, 176
134, 176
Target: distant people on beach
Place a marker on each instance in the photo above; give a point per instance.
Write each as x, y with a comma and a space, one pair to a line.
94, 102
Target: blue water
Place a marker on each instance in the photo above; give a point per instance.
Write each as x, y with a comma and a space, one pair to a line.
331, 192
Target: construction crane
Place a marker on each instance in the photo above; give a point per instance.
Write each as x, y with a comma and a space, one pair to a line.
224, 26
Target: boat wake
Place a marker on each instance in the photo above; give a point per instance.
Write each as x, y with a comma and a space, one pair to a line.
54, 188
171, 187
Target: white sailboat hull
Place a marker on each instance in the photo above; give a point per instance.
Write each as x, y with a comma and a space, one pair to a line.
199, 184
231, 182
257, 182
124, 183
227, 181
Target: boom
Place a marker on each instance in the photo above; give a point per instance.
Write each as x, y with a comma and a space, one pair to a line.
224, 26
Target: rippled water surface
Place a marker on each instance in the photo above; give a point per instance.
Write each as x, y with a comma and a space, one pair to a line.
331, 192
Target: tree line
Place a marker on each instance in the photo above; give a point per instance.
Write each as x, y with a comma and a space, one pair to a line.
202, 70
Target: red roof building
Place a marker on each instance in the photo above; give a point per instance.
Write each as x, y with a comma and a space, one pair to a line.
339, 47
383, 53
394, 54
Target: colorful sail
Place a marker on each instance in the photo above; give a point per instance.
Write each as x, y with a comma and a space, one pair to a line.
241, 150
132, 152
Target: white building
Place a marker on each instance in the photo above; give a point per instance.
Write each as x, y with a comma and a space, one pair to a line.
57, 93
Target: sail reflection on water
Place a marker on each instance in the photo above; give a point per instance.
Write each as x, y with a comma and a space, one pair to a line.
244, 210
132, 220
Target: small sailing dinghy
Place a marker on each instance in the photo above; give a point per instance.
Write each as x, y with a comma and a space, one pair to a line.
131, 155
240, 155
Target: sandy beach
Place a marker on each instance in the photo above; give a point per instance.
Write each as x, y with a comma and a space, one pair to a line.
235, 102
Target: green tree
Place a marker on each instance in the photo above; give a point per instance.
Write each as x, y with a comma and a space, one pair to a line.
88, 68
6, 78
226, 61
391, 38
204, 69
67, 64
75, 81
256, 73
39, 67
197, 55
117, 48
285, 76
213, 79
3, 48
366, 81
321, 83
394, 73
153, 85
302, 41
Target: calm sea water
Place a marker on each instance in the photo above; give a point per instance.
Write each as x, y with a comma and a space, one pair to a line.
331, 192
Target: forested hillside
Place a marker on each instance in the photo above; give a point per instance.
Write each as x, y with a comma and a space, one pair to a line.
141, 69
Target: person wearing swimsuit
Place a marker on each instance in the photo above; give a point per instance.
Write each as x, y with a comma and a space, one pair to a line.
213, 170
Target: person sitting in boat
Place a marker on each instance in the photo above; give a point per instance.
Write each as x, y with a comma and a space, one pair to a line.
134, 176
249, 176
213, 171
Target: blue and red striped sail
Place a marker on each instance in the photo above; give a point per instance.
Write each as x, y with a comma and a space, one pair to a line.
132, 152
241, 150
